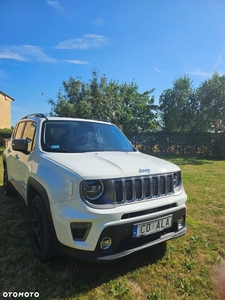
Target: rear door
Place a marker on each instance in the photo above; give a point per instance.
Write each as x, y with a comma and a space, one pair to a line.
12, 165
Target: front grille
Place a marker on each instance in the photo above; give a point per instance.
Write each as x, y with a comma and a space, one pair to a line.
138, 188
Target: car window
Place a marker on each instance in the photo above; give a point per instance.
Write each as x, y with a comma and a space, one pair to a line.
82, 136
17, 134
29, 134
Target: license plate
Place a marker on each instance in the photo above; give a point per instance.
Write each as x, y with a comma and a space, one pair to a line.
151, 227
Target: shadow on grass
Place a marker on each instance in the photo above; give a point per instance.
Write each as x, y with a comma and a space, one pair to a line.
61, 278
81, 278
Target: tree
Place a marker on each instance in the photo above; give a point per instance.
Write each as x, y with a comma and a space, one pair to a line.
211, 98
72, 100
101, 99
178, 106
6, 132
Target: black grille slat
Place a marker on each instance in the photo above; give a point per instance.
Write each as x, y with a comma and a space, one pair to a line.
147, 190
119, 191
163, 186
169, 184
129, 190
139, 188
155, 186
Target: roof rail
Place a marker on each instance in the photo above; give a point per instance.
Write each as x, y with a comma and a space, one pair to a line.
39, 115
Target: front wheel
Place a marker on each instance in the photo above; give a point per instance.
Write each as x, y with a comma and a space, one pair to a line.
40, 235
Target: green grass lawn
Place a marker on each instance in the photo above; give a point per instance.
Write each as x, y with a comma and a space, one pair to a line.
181, 269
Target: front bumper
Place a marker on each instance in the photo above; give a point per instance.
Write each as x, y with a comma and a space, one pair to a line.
123, 242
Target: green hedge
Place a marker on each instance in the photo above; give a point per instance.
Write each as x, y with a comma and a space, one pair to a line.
174, 143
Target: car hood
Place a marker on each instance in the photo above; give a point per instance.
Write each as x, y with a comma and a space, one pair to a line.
100, 165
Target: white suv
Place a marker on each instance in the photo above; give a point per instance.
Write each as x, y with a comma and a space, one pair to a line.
90, 194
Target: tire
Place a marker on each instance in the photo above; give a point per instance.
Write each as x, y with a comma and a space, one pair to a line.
8, 190
41, 241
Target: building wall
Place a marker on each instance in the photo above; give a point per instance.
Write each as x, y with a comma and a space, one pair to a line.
5, 111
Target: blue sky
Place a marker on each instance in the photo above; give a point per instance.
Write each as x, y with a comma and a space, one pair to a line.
153, 42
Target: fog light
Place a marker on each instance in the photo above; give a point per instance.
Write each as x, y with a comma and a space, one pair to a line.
105, 243
180, 223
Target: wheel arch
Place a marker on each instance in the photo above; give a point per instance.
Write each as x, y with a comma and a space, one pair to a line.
34, 188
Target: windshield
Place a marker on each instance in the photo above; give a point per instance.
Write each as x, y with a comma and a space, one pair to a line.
83, 136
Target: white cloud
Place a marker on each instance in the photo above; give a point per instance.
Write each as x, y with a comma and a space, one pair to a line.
98, 21
219, 61
157, 70
76, 62
215, 68
24, 53
198, 72
9, 53
55, 5
87, 41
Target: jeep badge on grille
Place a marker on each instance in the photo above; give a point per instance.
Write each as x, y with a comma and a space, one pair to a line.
144, 170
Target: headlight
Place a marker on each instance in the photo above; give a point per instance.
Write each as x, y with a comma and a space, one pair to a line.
93, 189
176, 179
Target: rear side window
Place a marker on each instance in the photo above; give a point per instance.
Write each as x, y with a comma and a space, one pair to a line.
17, 134
29, 134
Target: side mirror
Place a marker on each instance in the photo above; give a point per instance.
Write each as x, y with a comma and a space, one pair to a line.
20, 145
